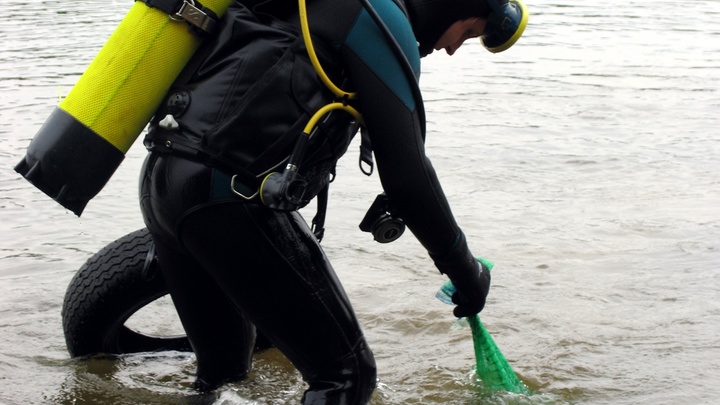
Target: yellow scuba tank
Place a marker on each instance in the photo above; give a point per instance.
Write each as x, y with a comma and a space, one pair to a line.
85, 139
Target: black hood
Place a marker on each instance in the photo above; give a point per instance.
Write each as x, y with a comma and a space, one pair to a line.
431, 18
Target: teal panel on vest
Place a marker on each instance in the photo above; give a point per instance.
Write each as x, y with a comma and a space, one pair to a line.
369, 43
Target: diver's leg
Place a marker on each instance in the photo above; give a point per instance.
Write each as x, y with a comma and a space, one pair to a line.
272, 267
221, 337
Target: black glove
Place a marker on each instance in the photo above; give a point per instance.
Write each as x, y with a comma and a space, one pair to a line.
470, 277
471, 290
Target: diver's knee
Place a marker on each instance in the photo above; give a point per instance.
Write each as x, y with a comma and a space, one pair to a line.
367, 375
350, 383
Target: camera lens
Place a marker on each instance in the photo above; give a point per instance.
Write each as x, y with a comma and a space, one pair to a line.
388, 229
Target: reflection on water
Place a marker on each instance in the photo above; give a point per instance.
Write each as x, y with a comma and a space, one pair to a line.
583, 162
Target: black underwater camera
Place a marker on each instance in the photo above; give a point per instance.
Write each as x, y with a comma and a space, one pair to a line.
382, 221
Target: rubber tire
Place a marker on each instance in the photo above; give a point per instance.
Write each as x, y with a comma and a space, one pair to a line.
107, 290
115, 283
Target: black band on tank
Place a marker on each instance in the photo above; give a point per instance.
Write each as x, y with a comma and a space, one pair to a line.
68, 161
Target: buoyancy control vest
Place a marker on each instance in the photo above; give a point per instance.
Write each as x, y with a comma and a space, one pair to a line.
243, 101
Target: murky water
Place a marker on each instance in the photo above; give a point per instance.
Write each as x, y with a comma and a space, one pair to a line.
583, 162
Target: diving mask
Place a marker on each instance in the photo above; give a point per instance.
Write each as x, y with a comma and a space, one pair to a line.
505, 24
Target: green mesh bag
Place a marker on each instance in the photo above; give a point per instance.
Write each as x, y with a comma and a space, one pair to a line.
491, 366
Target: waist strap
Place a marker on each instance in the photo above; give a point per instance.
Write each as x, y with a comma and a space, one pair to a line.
243, 182
164, 143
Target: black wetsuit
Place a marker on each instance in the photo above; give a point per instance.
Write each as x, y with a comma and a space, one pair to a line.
231, 263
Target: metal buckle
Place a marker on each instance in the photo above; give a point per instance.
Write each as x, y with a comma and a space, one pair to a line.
232, 187
190, 13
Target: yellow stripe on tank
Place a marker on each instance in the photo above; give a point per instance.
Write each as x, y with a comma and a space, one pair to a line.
128, 79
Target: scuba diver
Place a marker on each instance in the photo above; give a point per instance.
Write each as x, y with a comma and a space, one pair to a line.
220, 188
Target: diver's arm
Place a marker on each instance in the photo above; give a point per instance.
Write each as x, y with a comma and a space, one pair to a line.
406, 173
412, 186
391, 116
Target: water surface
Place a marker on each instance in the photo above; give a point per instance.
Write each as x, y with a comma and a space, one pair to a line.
583, 162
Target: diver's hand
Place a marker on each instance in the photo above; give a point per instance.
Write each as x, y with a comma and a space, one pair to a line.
472, 288
470, 277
